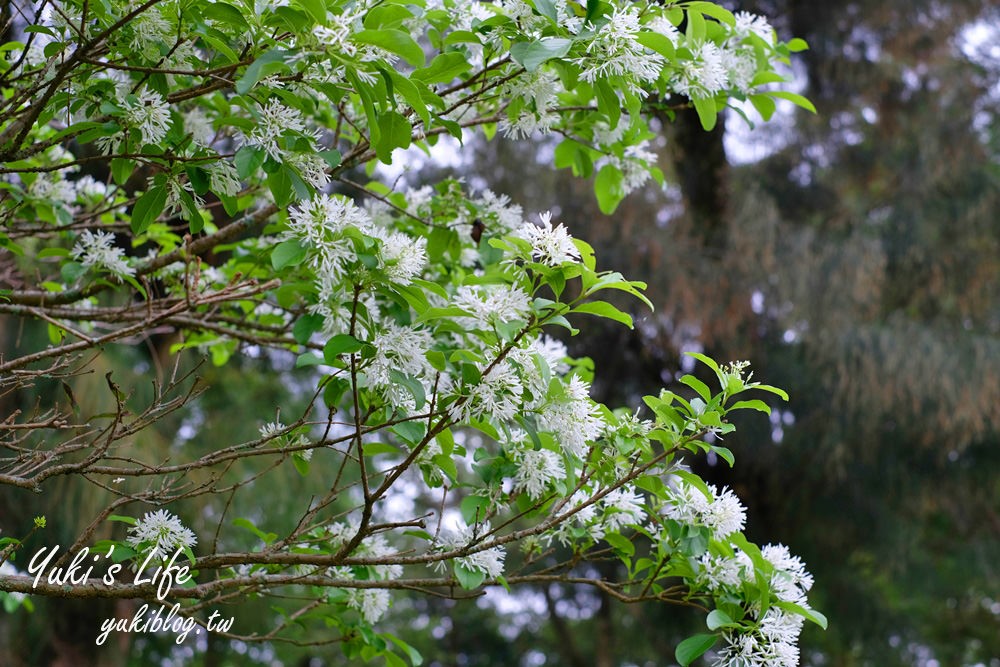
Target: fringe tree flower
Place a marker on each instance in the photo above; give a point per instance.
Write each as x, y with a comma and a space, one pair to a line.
198, 125
164, 531
721, 512
372, 603
752, 24
550, 245
150, 115
492, 304
536, 470
223, 179
275, 120
573, 421
615, 51
704, 75
623, 507
487, 561
97, 250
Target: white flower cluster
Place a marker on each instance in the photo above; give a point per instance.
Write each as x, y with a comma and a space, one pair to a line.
371, 603
550, 245
97, 250
487, 561
489, 305
573, 420
536, 470
403, 349
149, 114
322, 223
162, 532
774, 640
722, 512
617, 510
616, 51
275, 432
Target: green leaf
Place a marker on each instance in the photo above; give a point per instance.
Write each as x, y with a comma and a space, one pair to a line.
306, 326
225, 13
707, 113
608, 102
474, 509
121, 170
606, 310
620, 543
266, 538
695, 26
394, 41
248, 160
469, 579
608, 188
715, 11
123, 519
693, 648
268, 63
700, 387
657, 42
725, 453
413, 654
387, 16
772, 390
754, 404
797, 44
340, 344
794, 98
718, 619
444, 68
809, 614
764, 105
287, 253
531, 55
147, 208
547, 8
396, 132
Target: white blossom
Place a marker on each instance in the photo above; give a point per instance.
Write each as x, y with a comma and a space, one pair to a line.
54, 191
704, 74
663, 26
323, 217
573, 420
372, 603
164, 530
790, 581
150, 115
403, 257
275, 119
199, 126
150, 29
721, 512
751, 24
616, 51
97, 250
550, 245
622, 507
536, 470
487, 561
223, 179
496, 396
492, 304
311, 167
88, 188
498, 213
